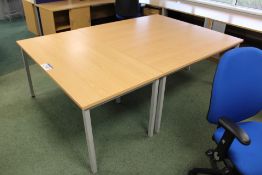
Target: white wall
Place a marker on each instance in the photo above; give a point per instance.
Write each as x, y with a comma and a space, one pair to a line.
14, 5
1, 10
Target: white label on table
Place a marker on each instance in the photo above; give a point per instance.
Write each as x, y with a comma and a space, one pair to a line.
47, 66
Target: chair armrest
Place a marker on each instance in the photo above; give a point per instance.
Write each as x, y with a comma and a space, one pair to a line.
234, 129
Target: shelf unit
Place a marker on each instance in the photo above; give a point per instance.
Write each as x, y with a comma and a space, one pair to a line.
62, 22
63, 15
57, 21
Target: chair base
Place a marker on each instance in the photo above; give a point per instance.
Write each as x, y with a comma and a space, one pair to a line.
227, 170
196, 171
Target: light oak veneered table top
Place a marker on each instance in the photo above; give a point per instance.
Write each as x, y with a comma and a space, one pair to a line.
96, 64
162, 43
85, 69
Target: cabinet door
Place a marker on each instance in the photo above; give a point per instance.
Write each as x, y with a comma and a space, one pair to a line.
30, 17
48, 21
151, 11
80, 17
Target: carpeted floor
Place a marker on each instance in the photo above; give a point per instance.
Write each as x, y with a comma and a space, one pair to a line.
45, 135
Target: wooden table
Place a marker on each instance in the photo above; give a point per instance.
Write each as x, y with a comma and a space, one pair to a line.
89, 72
165, 44
100, 63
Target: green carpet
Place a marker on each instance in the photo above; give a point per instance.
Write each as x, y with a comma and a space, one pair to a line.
45, 135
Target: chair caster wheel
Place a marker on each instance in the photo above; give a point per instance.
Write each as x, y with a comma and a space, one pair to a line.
191, 172
210, 153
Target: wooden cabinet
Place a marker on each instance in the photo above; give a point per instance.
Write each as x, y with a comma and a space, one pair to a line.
151, 10
30, 17
59, 16
58, 21
79, 17
61, 20
47, 21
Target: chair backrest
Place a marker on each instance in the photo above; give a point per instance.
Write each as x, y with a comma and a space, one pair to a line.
237, 86
127, 8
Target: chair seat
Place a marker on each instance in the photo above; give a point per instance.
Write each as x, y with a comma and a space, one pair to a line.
247, 159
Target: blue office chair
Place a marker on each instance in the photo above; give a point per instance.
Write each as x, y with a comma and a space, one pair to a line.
126, 9
236, 96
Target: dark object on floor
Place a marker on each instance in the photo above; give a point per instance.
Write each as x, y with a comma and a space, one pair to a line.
126, 9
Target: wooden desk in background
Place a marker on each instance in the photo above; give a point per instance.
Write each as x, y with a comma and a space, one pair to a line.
96, 64
67, 15
212, 14
63, 15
